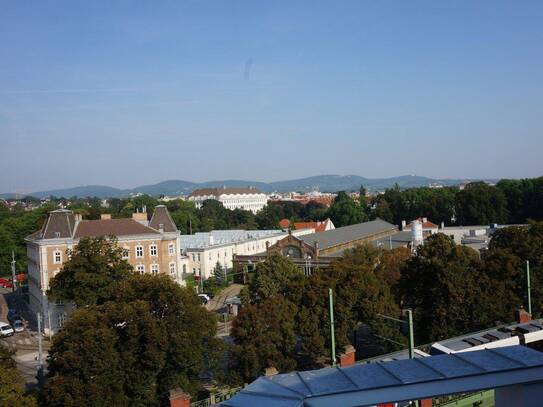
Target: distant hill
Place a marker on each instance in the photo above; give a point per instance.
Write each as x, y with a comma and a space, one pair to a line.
323, 183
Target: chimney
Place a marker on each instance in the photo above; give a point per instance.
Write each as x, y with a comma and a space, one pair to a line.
522, 316
211, 240
140, 217
267, 247
161, 227
78, 217
178, 398
424, 220
403, 224
270, 371
105, 216
348, 356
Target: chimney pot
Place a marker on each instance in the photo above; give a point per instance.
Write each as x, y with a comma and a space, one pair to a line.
522, 316
178, 398
348, 357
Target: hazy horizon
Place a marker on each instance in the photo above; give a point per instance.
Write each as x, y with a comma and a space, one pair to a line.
124, 94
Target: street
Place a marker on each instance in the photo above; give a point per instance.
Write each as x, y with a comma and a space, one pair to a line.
25, 344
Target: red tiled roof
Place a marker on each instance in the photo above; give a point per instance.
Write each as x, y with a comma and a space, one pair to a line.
425, 225
115, 227
284, 223
318, 226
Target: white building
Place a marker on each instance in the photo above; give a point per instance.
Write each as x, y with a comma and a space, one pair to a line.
249, 199
204, 250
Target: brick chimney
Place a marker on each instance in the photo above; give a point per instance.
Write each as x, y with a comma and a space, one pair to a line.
140, 217
522, 316
105, 216
270, 371
348, 356
178, 398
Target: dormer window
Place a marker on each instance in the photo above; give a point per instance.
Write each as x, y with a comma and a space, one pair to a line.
57, 235
57, 257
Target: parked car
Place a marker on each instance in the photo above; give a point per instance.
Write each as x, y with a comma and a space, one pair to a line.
5, 283
13, 315
204, 298
6, 330
18, 325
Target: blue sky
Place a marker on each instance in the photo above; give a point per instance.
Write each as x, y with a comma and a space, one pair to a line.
125, 93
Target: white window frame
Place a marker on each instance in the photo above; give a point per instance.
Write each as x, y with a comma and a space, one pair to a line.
57, 254
126, 253
139, 251
173, 269
171, 249
62, 317
155, 269
140, 269
153, 248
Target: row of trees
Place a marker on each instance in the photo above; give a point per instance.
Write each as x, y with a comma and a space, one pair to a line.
285, 320
509, 202
451, 289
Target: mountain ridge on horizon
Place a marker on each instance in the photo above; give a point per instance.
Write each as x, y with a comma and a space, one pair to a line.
323, 183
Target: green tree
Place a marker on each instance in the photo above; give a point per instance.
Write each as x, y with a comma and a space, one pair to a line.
442, 284
12, 392
264, 336
344, 211
91, 274
272, 278
480, 204
151, 336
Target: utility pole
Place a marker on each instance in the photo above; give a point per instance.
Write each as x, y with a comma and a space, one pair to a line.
411, 336
332, 334
12, 271
40, 351
528, 287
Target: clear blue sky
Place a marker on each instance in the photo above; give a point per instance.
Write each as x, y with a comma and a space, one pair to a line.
124, 93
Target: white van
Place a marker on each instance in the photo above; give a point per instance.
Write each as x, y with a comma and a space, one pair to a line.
6, 329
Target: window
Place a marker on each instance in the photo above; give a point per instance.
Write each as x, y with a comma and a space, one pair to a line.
198, 256
61, 319
153, 250
126, 253
140, 268
57, 257
193, 257
193, 271
139, 251
171, 249
154, 269
172, 268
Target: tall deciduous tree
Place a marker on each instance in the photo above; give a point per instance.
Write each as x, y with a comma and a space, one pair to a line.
12, 392
91, 273
480, 204
151, 336
442, 284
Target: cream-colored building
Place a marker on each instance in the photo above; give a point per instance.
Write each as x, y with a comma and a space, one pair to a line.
150, 246
204, 250
249, 199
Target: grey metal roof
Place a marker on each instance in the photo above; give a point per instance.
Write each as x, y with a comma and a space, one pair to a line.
401, 380
491, 335
347, 234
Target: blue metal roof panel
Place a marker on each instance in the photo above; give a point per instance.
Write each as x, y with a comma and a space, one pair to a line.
369, 384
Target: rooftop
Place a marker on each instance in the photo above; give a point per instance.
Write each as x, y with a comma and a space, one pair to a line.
347, 234
401, 380
224, 191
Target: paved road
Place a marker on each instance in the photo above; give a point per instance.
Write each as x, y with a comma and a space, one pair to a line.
218, 302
